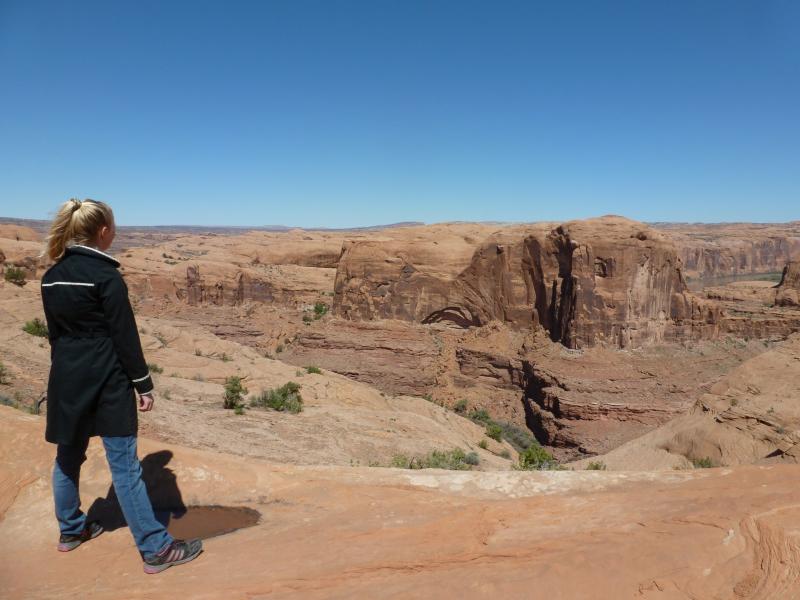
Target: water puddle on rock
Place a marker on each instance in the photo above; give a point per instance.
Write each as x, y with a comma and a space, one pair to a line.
207, 521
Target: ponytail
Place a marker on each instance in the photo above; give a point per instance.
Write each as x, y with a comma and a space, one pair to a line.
77, 222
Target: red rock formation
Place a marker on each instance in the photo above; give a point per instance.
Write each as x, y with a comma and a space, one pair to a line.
788, 291
718, 250
607, 280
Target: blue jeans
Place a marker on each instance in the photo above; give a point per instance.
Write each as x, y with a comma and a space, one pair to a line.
126, 473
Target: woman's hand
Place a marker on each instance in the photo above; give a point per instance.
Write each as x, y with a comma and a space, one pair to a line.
146, 402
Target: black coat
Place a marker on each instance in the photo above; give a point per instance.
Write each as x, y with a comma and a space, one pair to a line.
96, 355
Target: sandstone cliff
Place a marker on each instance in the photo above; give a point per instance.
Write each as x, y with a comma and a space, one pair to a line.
788, 291
727, 250
607, 280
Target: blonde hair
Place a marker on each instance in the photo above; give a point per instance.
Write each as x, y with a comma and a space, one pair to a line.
77, 222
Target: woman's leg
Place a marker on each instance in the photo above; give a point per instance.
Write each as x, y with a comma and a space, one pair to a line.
126, 473
66, 479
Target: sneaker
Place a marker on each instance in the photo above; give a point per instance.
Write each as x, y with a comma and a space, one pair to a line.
70, 542
176, 553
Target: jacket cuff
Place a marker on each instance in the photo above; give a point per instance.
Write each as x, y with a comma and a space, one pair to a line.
143, 385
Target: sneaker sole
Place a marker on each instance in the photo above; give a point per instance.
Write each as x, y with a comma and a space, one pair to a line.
153, 569
69, 546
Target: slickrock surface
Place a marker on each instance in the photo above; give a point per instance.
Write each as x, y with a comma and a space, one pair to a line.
381, 533
752, 415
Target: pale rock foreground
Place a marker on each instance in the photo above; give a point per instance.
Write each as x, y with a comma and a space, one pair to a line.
337, 532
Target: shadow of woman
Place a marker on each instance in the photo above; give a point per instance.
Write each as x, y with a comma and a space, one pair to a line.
162, 487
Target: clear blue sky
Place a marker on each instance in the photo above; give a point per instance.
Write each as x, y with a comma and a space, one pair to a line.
340, 113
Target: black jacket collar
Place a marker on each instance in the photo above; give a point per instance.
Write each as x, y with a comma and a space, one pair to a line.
93, 252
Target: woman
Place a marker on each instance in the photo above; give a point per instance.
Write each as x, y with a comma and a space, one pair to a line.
96, 364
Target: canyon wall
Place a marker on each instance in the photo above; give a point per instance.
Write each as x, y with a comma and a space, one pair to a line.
719, 250
788, 290
601, 281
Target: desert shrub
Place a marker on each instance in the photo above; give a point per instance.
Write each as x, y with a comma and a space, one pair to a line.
166, 395
279, 348
17, 403
286, 398
702, 463
596, 466
518, 437
505, 454
15, 275
154, 368
234, 392
460, 407
480, 416
225, 358
198, 352
307, 318
3, 374
472, 459
483, 444
494, 431
536, 458
454, 460
313, 370
239, 410
36, 327
320, 310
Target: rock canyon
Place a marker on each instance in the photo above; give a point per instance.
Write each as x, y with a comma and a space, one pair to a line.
640, 352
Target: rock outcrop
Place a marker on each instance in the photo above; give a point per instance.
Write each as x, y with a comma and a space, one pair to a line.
788, 290
717, 251
750, 416
339, 532
602, 281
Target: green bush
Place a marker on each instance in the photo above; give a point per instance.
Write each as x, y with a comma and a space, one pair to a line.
517, 436
15, 275
596, 466
314, 370
3, 374
239, 410
505, 454
234, 392
703, 463
472, 458
36, 327
480, 416
320, 310
460, 407
483, 444
225, 358
536, 458
154, 368
454, 460
494, 431
286, 398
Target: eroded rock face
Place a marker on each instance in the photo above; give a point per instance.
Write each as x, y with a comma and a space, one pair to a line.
601, 281
788, 291
714, 251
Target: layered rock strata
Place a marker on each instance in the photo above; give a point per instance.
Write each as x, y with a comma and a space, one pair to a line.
601, 281
788, 290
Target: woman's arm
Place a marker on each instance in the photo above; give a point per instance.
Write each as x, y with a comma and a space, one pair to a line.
124, 335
